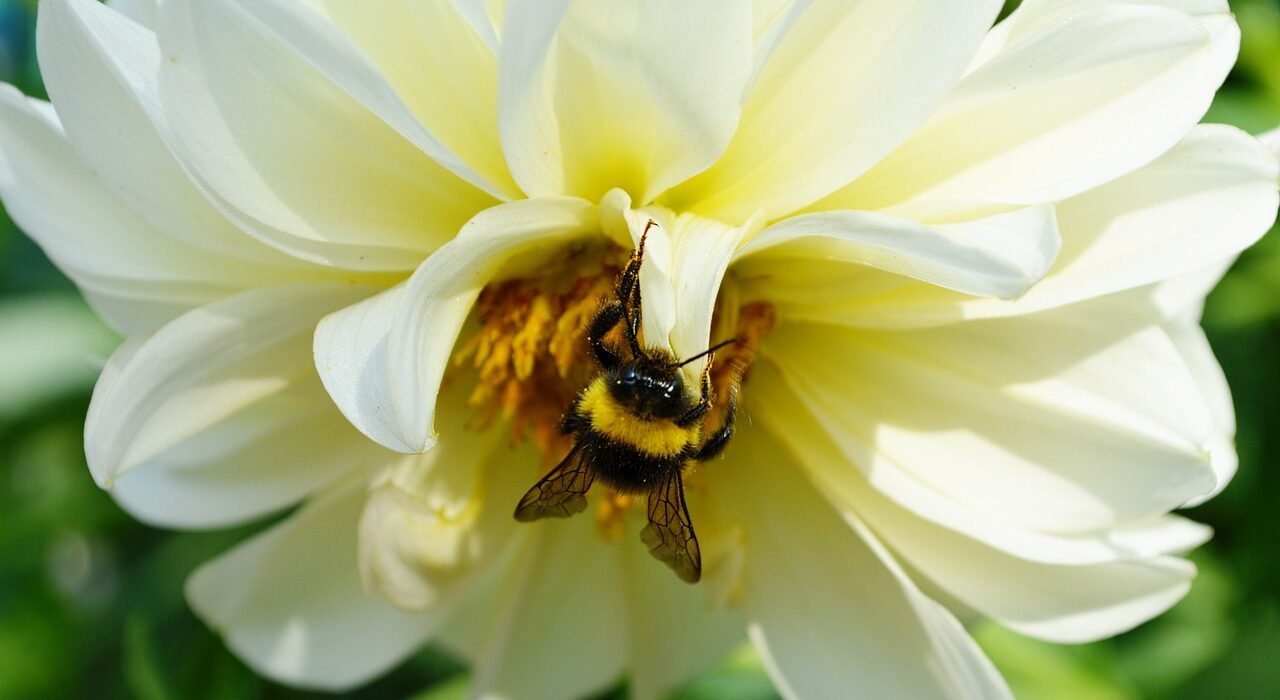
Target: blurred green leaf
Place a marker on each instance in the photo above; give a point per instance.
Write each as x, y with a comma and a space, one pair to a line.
457, 689
1041, 671
141, 667
741, 675
51, 345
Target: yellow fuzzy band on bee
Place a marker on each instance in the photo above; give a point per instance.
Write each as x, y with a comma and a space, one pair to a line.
659, 438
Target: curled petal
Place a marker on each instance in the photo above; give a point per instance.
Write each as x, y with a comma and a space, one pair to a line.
1199, 205
686, 258
211, 369
1000, 255
382, 360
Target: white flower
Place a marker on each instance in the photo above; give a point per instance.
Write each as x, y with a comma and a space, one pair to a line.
974, 258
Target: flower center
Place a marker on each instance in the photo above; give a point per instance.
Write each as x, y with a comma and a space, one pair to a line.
531, 356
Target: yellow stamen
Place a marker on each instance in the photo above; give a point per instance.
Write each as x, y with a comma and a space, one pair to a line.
530, 350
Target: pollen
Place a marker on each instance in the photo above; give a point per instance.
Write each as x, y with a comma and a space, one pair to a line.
530, 349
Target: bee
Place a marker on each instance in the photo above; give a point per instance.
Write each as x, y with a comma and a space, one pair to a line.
636, 427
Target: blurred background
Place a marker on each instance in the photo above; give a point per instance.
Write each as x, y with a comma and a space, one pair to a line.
91, 602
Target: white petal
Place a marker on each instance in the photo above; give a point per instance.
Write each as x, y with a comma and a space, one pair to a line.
703, 250
685, 260
1199, 205
674, 629
382, 360
830, 609
1202, 203
608, 606
1033, 16
136, 277
1000, 255
554, 626
1084, 99
1181, 299
596, 94
1066, 603
205, 370
297, 136
1196, 353
101, 69
626, 226
850, 477
441, 59
830, 99
434, 520
265, 456
289, 602
1064, 422
1272, 139
143, 12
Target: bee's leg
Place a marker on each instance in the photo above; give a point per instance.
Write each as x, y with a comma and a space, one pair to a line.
604, 322
628, 291
700, 409
717, 442
694, 414
628, 288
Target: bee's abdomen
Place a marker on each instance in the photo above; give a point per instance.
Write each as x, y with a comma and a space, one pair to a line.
623, 467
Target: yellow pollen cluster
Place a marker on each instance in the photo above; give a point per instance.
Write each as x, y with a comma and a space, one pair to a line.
531, 352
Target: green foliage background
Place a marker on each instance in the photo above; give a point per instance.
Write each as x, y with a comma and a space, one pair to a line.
91, 601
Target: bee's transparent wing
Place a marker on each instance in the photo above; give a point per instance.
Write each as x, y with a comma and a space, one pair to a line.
561, 493
669, 533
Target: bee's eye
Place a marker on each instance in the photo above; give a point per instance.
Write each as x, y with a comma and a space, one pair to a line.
628, 376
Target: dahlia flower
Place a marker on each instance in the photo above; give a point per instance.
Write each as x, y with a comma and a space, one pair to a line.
353, 247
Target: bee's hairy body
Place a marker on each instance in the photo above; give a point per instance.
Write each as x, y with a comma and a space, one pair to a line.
631, 454
636, 427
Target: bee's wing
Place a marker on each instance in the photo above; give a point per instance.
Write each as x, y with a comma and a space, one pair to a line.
561, 493
669, 533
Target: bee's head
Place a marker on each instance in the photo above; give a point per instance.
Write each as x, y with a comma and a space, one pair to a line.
651, 389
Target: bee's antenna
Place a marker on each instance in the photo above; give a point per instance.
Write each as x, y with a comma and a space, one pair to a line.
643, 235
709, 350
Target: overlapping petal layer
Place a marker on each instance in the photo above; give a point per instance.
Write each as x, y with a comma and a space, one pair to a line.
298, 138
987, 380
290, 601
596, 95
1071, 96
219, 416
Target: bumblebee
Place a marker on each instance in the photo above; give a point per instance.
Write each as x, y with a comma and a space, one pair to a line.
636, 427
